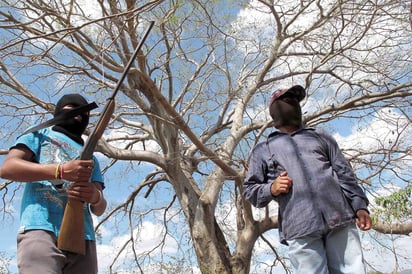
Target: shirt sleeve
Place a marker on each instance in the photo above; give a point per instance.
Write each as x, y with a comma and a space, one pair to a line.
346, 177
97, 176
256, 188
32, 141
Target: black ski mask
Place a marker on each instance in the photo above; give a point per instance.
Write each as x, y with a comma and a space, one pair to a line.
286, 113
73, 126
284, 107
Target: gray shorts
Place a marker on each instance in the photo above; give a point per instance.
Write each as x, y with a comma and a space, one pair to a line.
37, 252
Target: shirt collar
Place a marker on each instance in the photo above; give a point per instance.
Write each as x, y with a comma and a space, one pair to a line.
302, 128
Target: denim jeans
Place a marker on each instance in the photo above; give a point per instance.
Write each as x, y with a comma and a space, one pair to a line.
333, 251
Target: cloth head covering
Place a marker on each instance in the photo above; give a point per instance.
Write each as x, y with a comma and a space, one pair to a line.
287, 112
74, 126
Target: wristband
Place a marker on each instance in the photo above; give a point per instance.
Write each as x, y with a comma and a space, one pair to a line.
57, 174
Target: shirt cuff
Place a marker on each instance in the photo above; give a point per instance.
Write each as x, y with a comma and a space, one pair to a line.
267, 192
359, 203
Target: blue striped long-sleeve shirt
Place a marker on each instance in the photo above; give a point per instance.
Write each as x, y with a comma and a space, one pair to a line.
324, 193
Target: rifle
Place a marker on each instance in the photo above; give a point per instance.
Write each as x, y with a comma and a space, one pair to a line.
71, 237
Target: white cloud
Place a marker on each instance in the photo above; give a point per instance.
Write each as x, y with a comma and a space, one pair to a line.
368, 40
122, 136
146, 239
388, 129
381, 132
256, 23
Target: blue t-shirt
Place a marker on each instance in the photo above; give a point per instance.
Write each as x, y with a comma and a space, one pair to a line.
43, 204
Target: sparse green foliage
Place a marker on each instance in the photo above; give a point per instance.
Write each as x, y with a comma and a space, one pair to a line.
395, 207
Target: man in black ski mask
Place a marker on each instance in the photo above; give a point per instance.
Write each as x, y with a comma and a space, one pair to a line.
320, 202
45, 159
284, 107
73, 126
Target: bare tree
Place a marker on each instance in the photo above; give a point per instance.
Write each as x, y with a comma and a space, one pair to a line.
4, 263
194, 104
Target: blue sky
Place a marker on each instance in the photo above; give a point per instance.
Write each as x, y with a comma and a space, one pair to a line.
123, 177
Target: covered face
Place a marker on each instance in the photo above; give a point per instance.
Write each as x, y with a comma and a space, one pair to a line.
73, 126
284, 107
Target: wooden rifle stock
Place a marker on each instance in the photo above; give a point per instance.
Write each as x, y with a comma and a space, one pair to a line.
71, 237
